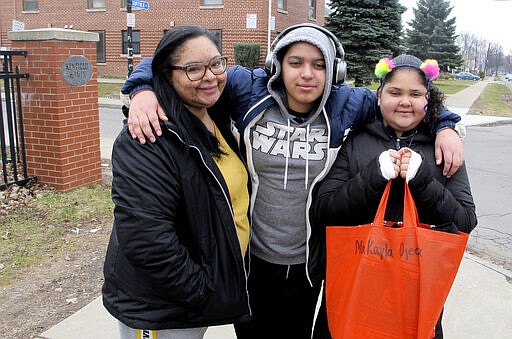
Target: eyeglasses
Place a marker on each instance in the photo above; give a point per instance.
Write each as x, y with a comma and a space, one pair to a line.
196, 71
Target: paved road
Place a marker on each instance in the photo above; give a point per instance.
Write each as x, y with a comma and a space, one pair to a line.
111, 123
488, 160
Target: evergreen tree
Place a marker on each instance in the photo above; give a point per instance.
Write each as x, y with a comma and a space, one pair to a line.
432, 34
368, 31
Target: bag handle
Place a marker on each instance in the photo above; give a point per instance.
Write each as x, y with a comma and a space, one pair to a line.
410, 215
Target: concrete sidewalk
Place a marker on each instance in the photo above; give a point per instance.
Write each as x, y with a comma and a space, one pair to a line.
479, 304
461, 101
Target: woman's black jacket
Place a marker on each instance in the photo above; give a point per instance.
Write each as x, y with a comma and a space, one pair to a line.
174, 259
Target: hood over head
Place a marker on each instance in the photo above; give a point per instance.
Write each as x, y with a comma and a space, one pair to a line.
315, 37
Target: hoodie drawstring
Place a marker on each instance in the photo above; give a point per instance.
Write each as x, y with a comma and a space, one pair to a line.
287, 154
306, 177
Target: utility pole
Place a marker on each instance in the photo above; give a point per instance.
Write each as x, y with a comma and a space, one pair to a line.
129, 36
269, 25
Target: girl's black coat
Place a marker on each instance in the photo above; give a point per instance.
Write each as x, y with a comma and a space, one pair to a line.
351, 192
174, 259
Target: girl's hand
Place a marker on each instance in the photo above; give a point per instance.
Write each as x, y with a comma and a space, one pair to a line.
411, 162
144, 115
389, 162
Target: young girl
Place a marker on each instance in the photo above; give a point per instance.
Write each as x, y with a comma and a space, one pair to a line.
397, 145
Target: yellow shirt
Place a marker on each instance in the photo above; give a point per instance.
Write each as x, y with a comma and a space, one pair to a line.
236, 178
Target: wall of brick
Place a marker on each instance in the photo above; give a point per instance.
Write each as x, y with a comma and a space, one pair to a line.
162, 14
61, 122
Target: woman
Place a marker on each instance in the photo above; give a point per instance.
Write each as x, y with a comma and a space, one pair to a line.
174, 264
291, 119
398, 146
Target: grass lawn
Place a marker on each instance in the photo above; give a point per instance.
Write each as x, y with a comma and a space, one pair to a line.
37, 231
109, 89
452, 86
495, 100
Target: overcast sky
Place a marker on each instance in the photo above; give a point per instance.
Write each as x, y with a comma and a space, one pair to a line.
487, 19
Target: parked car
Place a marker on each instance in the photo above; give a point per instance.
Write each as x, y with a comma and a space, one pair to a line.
508, 77
466, 76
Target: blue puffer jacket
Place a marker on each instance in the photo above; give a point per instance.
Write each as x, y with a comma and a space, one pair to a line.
246, 97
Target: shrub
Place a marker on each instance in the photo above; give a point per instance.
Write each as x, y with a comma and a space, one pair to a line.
247, 55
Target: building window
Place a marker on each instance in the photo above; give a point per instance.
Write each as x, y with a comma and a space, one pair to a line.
312, 9
211, 2
95, 4
281, 5
123, 4
30, 5
100, 47
135, 42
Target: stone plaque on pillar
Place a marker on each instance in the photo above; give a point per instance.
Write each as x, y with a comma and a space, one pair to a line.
76, 70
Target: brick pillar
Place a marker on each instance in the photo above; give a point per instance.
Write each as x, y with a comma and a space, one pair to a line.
60, 106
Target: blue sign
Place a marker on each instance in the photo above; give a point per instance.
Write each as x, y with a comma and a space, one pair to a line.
140, 4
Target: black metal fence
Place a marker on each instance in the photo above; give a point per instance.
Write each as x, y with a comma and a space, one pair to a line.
12, 142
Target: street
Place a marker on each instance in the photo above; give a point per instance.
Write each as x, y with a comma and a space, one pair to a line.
489, 164
111, 123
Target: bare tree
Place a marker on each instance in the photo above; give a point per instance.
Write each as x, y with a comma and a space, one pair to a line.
493, 56
481, 55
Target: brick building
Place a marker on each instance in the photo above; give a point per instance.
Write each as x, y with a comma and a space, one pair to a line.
234, 21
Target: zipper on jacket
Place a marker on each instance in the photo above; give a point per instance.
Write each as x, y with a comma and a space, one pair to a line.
226, 198
397, 144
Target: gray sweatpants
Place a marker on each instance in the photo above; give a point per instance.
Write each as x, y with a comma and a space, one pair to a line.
179, 333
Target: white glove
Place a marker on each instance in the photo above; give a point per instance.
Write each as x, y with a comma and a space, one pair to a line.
386, 165
414, 165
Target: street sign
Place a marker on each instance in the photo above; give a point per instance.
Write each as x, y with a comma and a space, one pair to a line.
140, 4
130, 20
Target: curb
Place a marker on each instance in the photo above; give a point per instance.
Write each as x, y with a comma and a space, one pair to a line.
489, 265
105, 104
494, 123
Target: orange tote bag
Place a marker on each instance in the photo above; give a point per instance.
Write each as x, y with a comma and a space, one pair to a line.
384, 282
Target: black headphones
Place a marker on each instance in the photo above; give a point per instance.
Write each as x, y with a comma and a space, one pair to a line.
340, 67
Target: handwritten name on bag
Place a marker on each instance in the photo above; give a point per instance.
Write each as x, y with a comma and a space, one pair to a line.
385, 250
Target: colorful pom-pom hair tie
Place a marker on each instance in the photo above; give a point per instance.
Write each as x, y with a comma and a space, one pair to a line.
429, 67
383, 67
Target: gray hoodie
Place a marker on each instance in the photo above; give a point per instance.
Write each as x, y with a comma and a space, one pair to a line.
285, 158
